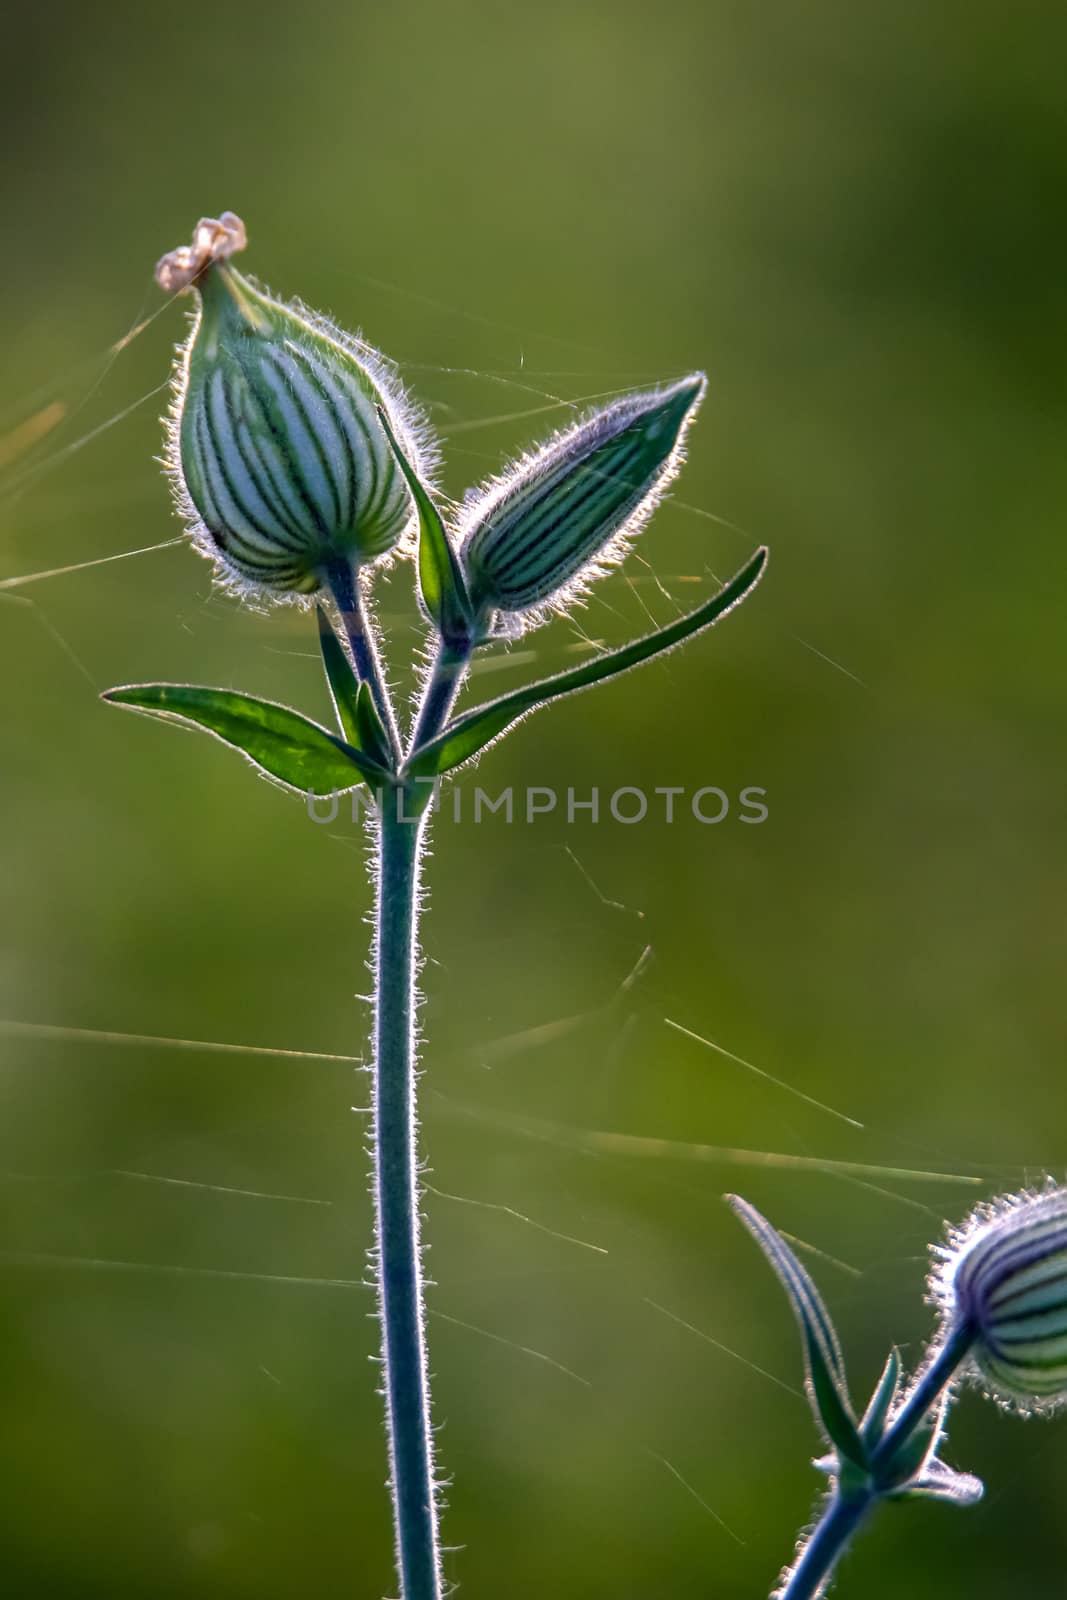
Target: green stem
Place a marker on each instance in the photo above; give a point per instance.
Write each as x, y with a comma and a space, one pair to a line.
347, 592
844, 1513
401, 830
925, 1394
442, 686
839, 1521
399, 1263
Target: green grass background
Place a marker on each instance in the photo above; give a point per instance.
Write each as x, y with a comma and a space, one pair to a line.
853, 217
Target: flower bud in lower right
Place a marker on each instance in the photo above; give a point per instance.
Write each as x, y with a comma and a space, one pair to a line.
1003, 1275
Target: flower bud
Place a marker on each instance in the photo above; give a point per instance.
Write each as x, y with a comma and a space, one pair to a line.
1004, 1276
534, 538
275, 447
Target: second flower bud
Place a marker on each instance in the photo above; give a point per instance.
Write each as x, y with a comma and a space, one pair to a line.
536, 536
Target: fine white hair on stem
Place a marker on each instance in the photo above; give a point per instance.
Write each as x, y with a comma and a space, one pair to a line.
395, 973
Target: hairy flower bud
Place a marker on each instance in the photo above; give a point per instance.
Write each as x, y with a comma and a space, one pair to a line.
279, 459
1004, 1276
535, 537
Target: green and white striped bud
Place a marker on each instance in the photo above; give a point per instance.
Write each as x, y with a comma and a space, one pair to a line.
1003, 1276
533, 539
276, 450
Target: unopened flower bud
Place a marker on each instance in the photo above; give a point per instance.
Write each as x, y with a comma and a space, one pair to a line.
535, 537
275, 447
1004, 1276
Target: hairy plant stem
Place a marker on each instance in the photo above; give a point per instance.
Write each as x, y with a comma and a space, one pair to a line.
841, 1517
344, 585
442, 686
848, 1508
401, 825
924, 1395
400, 1287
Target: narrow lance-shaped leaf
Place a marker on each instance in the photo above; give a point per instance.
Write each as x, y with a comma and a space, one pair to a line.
282, 743
353, 700
914, 1455
470, 734
344, 685
874, 1418
373, 739
441, 582
822, 1352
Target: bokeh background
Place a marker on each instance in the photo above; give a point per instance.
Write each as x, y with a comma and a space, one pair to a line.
853, 218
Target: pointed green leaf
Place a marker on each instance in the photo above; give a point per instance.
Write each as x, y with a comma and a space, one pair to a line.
470, 734
441, 582
353, 701
373, 739
340, 675
282, 743
824, 1364
874, 1418
914, 1456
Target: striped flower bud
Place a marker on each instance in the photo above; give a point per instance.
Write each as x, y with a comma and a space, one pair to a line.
276, 450
1004, 1277
534, 538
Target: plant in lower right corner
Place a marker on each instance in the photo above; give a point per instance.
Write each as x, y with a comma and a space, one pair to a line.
1000, 1285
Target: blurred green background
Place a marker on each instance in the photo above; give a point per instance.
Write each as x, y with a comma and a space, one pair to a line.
853, 217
